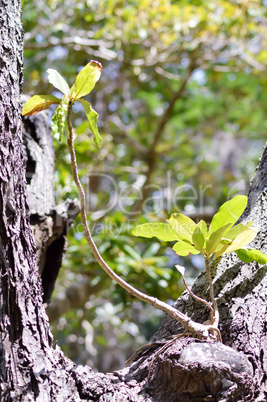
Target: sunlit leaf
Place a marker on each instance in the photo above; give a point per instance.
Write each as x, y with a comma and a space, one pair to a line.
59, 118
203, 227
160, 230
215, 238
225, 241
198, 237
92, 117
183, 226
240, 241
229, 212
250, 254
38, 103
86, 80
183, 249
58, 81
236, 230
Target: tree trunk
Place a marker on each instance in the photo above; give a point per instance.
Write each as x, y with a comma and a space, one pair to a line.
30, 368
49, 222
185, 369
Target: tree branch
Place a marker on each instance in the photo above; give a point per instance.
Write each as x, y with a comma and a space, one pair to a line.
194, 328
152, 153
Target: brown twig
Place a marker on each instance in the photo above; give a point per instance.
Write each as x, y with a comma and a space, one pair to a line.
197, 297
152, 153
194, 328
151, 300
215, 318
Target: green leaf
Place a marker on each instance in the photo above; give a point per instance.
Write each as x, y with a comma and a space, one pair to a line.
225, 242
38, 103
92, 117
129, 250
203, 227
236, 230
151, 250
58, 120
228, 213
183, 249
215, 238
160, 230
250, 254
240, 241
183, 226
86, 80
58, 81
198, 238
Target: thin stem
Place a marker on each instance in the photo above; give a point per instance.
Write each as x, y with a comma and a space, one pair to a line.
215, 318
198, 298
182, 318
196, 329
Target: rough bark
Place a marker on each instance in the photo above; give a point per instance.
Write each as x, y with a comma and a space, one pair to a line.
241, 291
190, 370
49, 222
30, 368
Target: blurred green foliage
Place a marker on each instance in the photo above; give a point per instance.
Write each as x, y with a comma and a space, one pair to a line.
205, 153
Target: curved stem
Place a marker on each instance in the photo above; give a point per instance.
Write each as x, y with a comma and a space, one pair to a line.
196, 329
215, 319
198, 298
182, 318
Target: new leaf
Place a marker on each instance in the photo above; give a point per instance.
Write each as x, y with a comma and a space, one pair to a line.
238, 242
86, 80
58, 120
162, 231
215, 238
58, 81
38, 103
250, 254
183, 249
183, 226
199, 236
228, 213
92, 117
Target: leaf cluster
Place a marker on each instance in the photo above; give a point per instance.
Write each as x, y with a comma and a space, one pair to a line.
222, 237
83, 85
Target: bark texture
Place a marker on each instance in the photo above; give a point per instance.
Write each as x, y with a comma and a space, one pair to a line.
187, 369
49, 222
30, 368
240, 290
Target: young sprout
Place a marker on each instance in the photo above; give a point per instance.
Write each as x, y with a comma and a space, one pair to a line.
222, 237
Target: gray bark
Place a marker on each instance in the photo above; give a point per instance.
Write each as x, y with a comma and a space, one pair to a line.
241, 291
30, 368
49, 222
